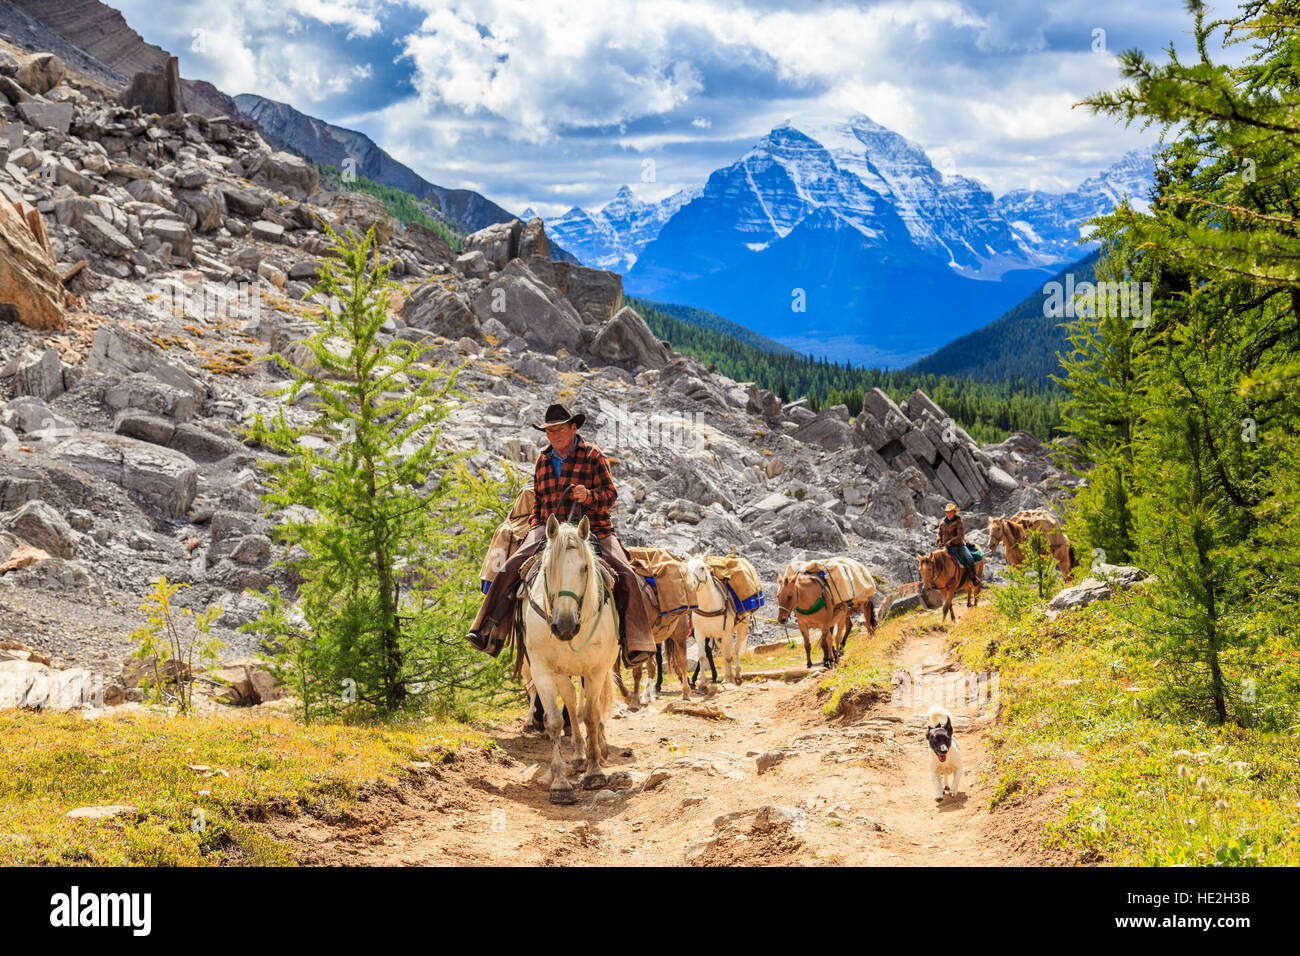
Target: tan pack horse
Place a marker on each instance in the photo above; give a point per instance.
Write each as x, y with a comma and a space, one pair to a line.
806, 595
571, 630
941, 571
715, 617
1012, 535
670, 634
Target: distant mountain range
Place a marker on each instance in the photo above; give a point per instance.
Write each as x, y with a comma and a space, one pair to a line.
323, 142
887, 257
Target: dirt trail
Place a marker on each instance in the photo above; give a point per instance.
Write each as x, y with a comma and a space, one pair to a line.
859, 789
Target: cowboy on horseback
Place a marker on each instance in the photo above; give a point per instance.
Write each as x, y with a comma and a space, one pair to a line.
952, 535
569, 473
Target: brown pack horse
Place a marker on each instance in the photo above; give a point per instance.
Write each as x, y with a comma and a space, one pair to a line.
805, 595
1012, 535
941, 571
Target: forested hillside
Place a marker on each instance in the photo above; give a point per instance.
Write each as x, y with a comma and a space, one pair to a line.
989, 411
400, 204
1022, 345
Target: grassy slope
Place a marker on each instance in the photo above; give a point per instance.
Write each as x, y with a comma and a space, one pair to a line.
53, 763
1079, 726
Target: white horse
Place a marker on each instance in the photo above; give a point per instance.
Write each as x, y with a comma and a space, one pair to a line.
715, 617
571, 630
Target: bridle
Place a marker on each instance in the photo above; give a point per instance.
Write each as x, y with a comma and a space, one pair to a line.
726, 605
546, 613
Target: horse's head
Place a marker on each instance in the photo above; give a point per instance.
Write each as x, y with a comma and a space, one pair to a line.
925, 565
570, 572
995, 534
785, 594
697, 569
787, 590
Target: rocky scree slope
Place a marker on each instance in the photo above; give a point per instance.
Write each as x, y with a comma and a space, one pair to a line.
148, 262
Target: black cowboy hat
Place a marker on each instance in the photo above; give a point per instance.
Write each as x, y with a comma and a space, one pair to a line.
559, 415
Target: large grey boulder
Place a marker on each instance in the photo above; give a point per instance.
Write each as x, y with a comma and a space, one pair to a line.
202, 209
144, 392
1100, 585
282, 172
40, 377
439, 308
119, 350
498, 242
533, 242
688, 378
431, 246
764, 402
151, 191
473, 265
595, 293
29, 415
172, 231
45, 115
40, 72
166, 479
626, 341
241, 201
530, 308
361, 212
38, 524
887, 416
806, 524
829, 428
104, 237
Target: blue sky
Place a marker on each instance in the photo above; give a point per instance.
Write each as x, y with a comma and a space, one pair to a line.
553, 103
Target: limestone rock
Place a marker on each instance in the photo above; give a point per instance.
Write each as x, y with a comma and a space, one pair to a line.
40, 525
42, 378
595, 293
441, 309
166, 479
499, 243
829, 428
281, 172
40, 72
119, 350
30, 290
626, 341
528, 307
361, 212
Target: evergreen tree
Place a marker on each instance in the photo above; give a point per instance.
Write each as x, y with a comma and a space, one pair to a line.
388, 522
1191, 418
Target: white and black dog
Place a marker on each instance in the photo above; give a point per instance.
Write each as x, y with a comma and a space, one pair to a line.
945, 758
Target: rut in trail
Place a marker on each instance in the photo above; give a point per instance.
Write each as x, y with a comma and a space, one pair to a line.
859, 790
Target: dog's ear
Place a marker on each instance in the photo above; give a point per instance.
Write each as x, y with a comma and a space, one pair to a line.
948, 726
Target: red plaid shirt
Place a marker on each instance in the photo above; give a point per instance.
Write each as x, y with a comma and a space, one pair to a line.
585, 466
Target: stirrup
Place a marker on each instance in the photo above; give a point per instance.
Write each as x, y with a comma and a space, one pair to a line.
487, 644
634, 657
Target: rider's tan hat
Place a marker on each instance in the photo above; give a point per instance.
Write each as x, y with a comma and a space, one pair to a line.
950, 506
